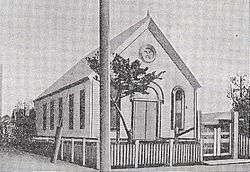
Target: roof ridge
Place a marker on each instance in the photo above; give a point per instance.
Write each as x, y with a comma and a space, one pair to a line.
114, 43
81, 69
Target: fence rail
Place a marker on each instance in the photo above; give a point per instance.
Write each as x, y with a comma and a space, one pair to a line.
138, 153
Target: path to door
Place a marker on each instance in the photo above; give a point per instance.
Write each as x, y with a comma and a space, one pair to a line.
197, 168
227, 161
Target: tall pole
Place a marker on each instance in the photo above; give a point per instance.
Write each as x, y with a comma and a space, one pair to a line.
1, 80
104, 87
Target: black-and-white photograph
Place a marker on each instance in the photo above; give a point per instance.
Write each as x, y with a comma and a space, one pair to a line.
124, 85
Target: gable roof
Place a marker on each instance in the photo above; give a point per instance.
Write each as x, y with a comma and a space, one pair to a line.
160, 37
82, 70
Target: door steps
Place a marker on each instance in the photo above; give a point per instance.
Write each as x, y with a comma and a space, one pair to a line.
226, 161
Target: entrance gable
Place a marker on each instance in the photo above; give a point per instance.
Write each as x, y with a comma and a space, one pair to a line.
162, 60
156, 34
171, 78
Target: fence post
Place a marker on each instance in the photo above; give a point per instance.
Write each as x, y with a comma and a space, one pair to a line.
171, 151
201, 151
215, 141
136, 153
61, 149
218, 141
98, 155
83, 151
235, 116
72, 150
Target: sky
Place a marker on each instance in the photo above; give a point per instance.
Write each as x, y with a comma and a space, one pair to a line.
41, 40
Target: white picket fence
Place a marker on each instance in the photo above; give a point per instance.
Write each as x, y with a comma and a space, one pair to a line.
134, 154
244, 146
155, 153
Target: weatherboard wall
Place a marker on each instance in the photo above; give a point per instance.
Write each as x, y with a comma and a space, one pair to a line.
76, 132
171, 78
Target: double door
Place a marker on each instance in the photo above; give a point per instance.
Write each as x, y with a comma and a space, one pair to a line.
145, 119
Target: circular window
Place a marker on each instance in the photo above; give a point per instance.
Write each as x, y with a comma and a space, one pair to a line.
147, 53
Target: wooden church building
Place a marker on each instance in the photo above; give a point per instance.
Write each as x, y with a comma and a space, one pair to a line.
169, 110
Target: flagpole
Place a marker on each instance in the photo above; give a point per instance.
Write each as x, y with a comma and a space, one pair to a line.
104, 87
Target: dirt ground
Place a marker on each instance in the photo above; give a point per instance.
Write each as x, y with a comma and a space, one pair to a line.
12, 160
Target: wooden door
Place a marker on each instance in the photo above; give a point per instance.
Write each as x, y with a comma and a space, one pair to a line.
139, 120
144, 119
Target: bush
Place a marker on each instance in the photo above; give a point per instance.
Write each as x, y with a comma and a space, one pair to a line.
25, 129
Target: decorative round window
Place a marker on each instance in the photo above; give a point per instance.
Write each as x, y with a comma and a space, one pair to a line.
147, 53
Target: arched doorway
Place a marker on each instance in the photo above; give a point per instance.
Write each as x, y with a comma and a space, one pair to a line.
146, 114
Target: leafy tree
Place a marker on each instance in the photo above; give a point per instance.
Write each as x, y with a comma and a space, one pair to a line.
4, 123
127, 78
239, 93
25, 127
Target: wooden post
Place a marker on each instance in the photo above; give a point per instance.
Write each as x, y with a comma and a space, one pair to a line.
215, 141
196, 113
248, 141
171, 151
97, 155
104, 87
230, 138
235, 134
56, 144
201, 151
72, 150
83, 151
136, 153
61, 149
176, 132
218, 141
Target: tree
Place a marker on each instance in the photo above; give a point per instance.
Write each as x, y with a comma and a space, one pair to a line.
239, 94
24, 122
4, 124
127, 78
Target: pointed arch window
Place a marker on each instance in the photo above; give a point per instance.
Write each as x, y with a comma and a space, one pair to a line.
178, 108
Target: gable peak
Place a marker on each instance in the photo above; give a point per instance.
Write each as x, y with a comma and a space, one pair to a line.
148, 14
